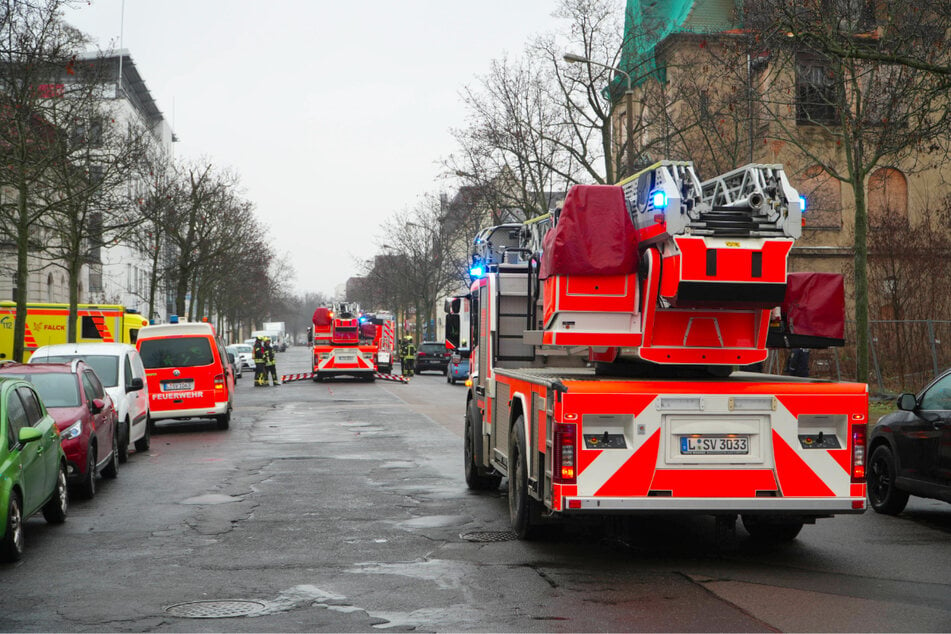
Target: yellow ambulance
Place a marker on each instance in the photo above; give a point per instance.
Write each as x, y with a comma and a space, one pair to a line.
46, 325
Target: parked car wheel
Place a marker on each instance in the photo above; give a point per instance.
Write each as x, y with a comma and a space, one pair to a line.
111, 470
882, 494
11, 548
55, 510
87, 486
126, 430
143, 443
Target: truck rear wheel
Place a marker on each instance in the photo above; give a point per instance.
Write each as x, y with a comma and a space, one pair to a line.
476, 478
523, 510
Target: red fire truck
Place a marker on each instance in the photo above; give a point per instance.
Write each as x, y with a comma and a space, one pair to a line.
607, 345
378, 330
338, 348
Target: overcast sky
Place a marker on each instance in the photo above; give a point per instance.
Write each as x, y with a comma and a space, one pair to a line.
334, 113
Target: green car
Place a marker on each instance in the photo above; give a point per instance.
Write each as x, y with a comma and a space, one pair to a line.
32, 465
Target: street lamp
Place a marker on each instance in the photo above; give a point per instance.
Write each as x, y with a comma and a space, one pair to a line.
572, 58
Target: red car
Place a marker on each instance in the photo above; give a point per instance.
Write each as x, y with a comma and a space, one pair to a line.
84, 415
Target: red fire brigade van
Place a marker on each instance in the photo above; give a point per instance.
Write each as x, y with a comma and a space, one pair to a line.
187, 371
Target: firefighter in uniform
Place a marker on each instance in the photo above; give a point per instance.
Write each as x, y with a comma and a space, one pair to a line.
270, 363
407, 356
258, 362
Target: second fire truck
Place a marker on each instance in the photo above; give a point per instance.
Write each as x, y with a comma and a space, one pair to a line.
339, 349
608, 341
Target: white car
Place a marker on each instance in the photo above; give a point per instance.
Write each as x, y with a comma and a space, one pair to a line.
120, 369
243, 355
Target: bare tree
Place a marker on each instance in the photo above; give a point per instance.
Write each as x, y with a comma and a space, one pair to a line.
39, 109
855, 86
93, 201
423, 251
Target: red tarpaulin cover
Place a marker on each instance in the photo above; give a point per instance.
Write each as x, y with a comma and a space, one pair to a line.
815, 304
322, 317
594, 235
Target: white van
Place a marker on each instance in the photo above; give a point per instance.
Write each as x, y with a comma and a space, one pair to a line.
120, 370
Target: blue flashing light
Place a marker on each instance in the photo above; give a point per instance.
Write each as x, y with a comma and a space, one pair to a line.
802, 204
659, 200
476, 271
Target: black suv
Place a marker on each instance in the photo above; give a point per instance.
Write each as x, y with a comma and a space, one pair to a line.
908, 449
432, 355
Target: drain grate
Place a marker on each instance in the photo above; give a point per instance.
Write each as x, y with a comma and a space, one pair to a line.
489, 536
214, 609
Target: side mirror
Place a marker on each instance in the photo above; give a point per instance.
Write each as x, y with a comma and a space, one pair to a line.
135, 384
231, 357
29, 434
97, 405
907, 402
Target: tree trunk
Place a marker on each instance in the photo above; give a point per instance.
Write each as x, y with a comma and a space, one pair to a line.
22, 272
861, 278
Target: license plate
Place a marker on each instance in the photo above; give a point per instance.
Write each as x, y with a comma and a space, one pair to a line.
174, 386
714, 445
346, 358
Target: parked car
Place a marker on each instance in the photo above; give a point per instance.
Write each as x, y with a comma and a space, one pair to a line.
235, 364
244, 355
910, 450
432, 355
120, 369
32, 465
458, 365
188, 372
84, 414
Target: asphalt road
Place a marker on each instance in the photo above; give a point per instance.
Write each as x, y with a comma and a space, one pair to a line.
341, 506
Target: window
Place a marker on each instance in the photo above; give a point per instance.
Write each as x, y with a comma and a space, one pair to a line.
938, 396
88, 134
16, 417
106, 366
31, 405
95, 237
887, 198
91, 386
815, 91
169, 352
88, 329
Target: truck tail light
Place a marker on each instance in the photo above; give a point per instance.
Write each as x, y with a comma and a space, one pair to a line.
858, 452
565, 451
219, 381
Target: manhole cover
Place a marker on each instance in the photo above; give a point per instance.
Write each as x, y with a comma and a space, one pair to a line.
214, 609
489, 536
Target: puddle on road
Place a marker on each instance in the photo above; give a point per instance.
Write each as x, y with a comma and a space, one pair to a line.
433, 521
212, 498
399, 464
447, 575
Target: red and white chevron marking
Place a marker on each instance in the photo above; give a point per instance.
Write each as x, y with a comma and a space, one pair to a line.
302, 376
305, 376
391, 377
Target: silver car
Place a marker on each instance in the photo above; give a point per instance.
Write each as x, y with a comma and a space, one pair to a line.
243, 356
